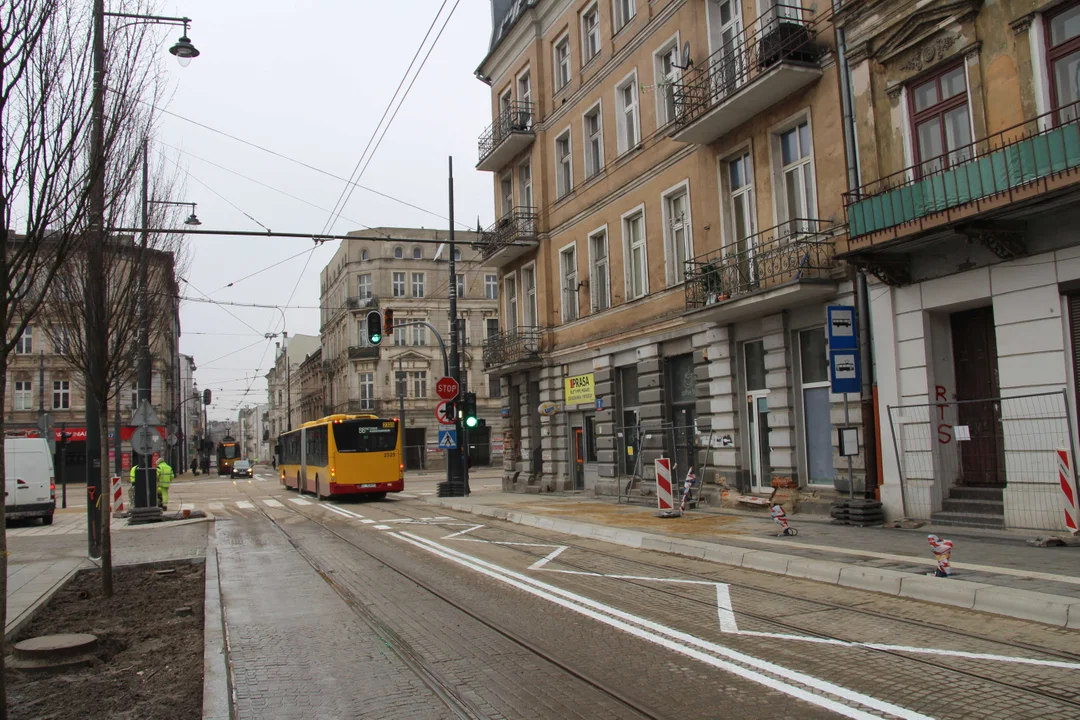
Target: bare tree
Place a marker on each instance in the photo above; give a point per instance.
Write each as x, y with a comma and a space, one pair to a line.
45, 98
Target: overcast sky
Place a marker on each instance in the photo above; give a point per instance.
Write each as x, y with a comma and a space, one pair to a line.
309, 80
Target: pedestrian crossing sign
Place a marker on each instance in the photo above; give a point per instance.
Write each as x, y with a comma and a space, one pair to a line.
448, 439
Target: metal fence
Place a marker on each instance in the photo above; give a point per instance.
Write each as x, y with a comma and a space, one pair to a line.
521, 343
638, 446
519, 225
990, 462
515, 117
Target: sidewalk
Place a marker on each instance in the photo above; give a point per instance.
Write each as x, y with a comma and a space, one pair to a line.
994, 571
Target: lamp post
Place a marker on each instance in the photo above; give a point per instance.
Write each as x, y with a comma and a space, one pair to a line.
95, 289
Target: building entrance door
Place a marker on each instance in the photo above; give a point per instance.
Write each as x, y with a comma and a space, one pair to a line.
976, 370
579, 458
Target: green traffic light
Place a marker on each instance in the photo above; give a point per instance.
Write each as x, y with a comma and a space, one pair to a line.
470, 422
376, 338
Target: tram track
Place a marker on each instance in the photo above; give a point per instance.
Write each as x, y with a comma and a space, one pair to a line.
445, 691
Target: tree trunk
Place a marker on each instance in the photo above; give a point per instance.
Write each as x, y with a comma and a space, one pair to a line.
3, 538
105, 499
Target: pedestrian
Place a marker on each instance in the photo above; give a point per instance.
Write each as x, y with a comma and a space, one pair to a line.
780, 517
194, 467
131, 487
205, 464
164, 479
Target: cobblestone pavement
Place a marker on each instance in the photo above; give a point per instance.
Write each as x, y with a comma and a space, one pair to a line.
673, 636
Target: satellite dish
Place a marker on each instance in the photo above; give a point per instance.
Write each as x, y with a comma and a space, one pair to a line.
686, 61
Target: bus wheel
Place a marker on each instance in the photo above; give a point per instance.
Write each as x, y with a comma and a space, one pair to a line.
318, 495
378, 496
299, 487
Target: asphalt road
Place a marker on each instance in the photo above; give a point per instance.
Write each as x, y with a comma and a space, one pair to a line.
403, 609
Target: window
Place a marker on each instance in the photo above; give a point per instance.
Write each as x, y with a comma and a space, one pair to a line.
624, 13
677, 231
401, 384
626, 100
61, 397
398, 285
564, 173
494, 386
1063, 53
590, 439
507, 186
524, 89
399, 252
740, 189
24, 397
505, 101
594, 141
511, 303
419, 383
562, 63
599, 277
817, 421
399, 335
364, 255
568, 265
491, 287
25, 344
667, 75
492, 327
457, 255
417, 253
418, 284
637, 278
419, 333
363, 285
460, 285
941, 121
525, 181
528, 284
798, 174
590, 34
367, 390
61, 340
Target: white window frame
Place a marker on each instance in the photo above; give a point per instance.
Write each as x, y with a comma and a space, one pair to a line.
399, 252
627, 254
418, 383
394, 286
360, 285
506, 98
598, 110
675, 274
491, 287
61, 394
506, 181
563, 69
594, 286
661, 80
419, 332
565, 179
422, 285
728, 238
525, 182
24, 396
400, 337
524, 86
587, 56
366, 386
460, 284
418, 253
781, 212
61, 340
513, 314
623, 145
530, 301
569, 294
617, 20
487, 327
25, 344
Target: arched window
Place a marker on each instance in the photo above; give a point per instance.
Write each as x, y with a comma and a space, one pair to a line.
364, 255
457, 255
417, 253
399, 252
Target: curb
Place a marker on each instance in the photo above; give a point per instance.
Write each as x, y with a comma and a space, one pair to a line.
1058, 610
216, 704
15, 626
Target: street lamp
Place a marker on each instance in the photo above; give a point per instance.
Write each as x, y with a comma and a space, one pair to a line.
183, 49
192, 219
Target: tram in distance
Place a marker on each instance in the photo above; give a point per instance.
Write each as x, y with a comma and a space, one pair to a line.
341, 455
228, 452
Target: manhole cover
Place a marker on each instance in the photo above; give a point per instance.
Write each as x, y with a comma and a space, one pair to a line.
56, 652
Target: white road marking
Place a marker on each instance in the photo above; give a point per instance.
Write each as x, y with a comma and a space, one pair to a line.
272, 503
383, 527
215, 506
339, 511
244, 505
458, 534
732, 661
411, 497
299, 501
350, 513
368, 522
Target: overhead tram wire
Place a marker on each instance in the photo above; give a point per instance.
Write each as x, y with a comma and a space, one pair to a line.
215, 302
236, 207
259, 272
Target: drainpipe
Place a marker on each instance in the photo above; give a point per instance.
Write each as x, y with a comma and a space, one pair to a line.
862, 301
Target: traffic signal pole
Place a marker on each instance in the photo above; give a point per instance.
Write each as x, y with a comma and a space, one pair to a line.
454, 476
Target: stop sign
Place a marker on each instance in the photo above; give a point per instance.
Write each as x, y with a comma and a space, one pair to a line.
446, 388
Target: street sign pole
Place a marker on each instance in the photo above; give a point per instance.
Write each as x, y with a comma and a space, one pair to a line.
454, 480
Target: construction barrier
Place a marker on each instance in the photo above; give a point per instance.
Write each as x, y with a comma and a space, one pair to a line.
1068, 487
117, 494
665, 501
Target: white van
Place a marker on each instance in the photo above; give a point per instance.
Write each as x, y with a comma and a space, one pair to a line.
30, 489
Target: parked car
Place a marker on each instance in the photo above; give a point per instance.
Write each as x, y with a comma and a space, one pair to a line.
29, 483
243, 468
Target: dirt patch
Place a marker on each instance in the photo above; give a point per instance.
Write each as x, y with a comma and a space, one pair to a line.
152, 665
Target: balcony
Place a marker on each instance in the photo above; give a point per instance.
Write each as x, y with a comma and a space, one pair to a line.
513, 235
355, 302
967, 191
359, 406
363, 352
772, 58
520, 346
782, 267
505, 138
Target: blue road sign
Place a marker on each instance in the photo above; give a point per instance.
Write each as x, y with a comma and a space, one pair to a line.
599, 403
841, 327
844, 374
448, 439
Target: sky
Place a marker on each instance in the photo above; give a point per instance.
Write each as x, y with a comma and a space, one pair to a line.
309, 80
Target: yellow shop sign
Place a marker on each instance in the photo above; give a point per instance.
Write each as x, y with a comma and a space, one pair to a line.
579, 389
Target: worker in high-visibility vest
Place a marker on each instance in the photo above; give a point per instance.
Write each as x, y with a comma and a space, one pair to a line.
131, 488
164, 478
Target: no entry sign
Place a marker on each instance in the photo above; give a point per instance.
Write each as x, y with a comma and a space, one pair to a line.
446, 388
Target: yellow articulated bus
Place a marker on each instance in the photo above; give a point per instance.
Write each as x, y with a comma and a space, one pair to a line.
343, 455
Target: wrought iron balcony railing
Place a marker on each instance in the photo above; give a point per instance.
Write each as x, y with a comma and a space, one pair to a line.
518, 225
354, 405
356, 302
363, 352
1038, 149
517, 117
792, 251
782, 33
511, 346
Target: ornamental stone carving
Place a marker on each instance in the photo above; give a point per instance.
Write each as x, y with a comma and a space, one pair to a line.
928, 54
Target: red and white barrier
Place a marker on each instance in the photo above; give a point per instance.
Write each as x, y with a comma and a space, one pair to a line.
1068, 488
117, 495
664, 497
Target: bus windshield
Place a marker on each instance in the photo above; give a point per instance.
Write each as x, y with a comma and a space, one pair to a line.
230, 451
365, 435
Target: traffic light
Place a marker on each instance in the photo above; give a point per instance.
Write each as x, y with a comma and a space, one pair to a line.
374, 327
388, 322
468, 410
206, 396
